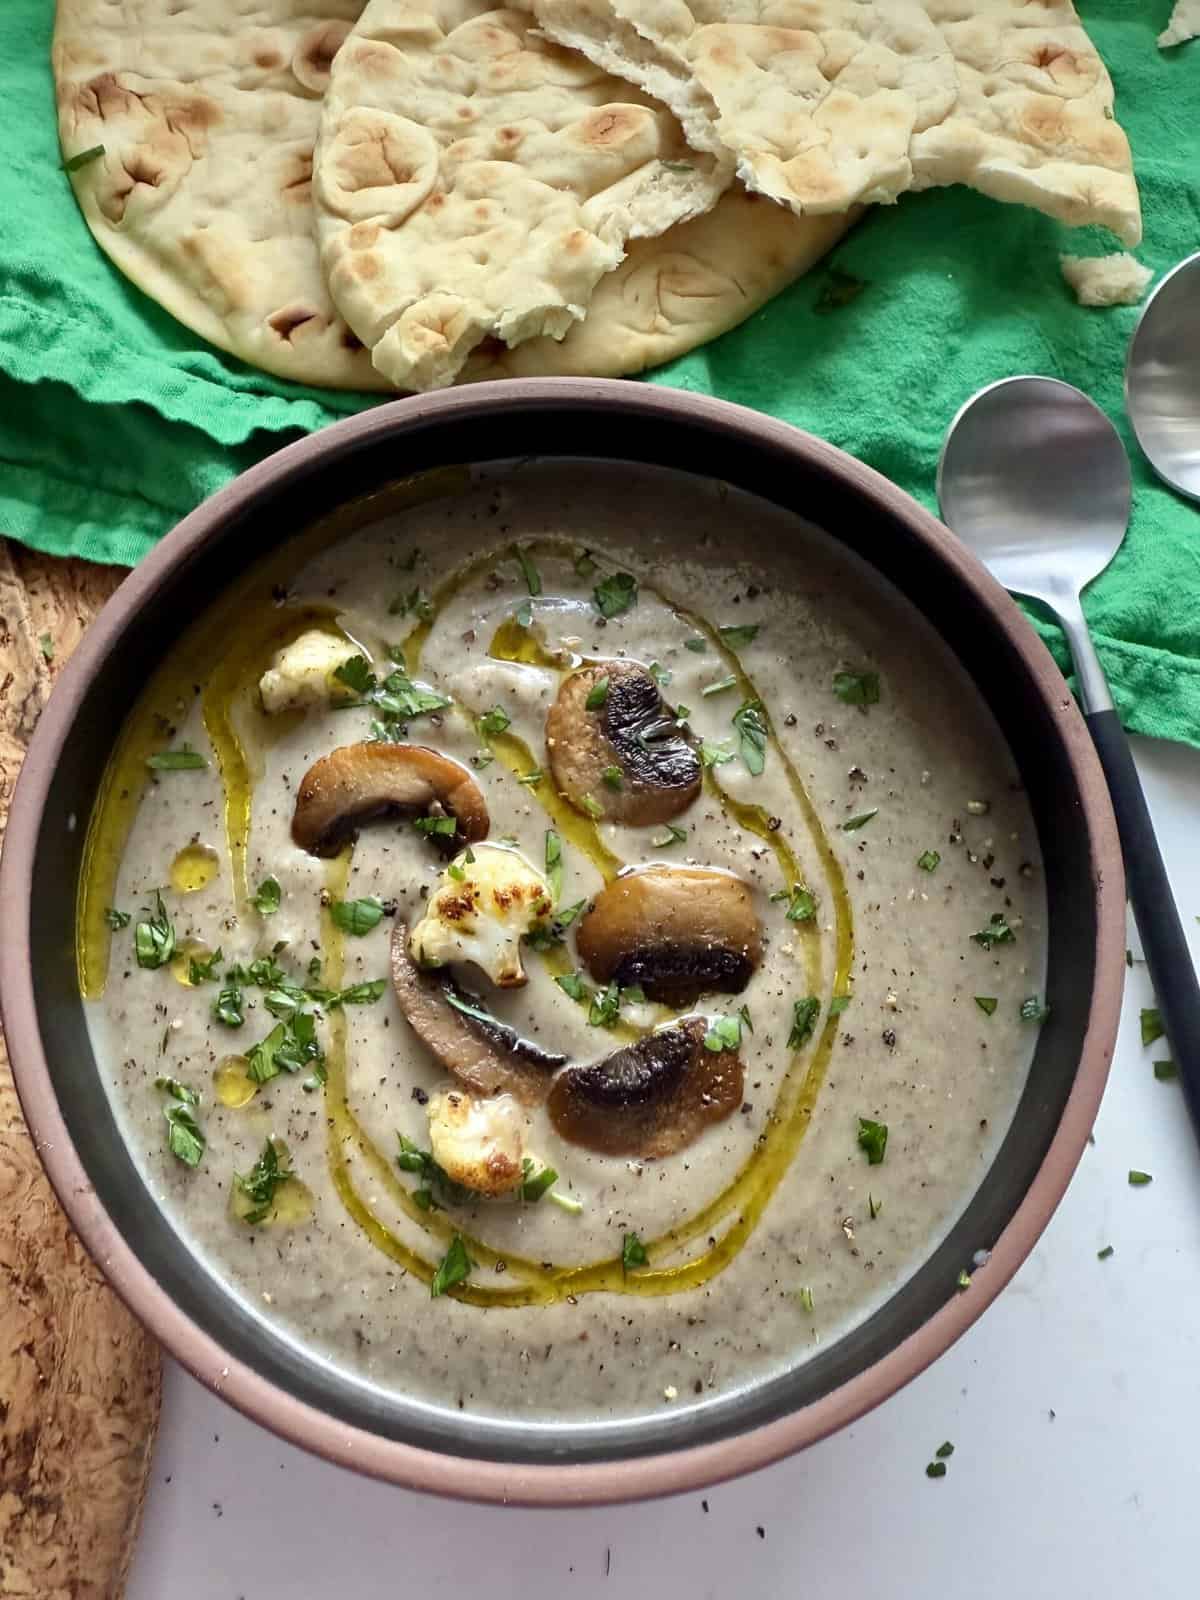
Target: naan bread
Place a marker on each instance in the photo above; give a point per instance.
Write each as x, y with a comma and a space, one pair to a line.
824, 103
1184, 24
208, 117
670, 295
473, 180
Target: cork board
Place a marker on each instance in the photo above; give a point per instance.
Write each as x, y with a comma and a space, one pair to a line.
79, 1377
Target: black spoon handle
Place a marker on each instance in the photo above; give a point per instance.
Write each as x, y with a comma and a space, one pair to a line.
1164, 944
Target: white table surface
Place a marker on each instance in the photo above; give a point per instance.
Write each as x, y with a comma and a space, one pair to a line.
1073, 1407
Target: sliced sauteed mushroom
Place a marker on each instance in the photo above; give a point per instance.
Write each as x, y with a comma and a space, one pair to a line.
478, 1143
477, 1049
352, 785
488, 900
651, 1098
616, 748
678, 932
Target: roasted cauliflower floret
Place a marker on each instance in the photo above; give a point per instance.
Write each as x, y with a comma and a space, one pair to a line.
479, 1143
488, 899
301, 674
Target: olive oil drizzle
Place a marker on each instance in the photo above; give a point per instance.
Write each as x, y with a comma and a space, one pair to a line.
172, 690
749, 1190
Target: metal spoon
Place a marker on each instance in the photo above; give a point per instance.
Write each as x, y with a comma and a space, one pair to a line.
1162, 379
1034, 478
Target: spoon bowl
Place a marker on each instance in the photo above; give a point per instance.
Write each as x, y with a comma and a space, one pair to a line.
1034, 478
1162, 379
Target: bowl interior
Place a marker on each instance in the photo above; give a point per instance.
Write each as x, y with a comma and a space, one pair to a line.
929, 571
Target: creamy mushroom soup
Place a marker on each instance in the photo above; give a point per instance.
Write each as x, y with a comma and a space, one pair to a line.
570, 945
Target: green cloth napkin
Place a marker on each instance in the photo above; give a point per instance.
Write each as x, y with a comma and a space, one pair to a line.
115, 420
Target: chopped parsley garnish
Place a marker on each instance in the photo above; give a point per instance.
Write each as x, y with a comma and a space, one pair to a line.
535, 1184
615, 594
659, 673
289, 1047
944, 1451
996, 932
184, 760
185, 1137
227, 1007
1164, 1071
437, 1187
633, 1253
358, 916
554, 867
673, 835
1138, 1180
720, 686
566, 1202
802, 906
857, 688
494, 721
744, 1014
874, 1206
714, 755
698, 644
752, 730
597, 694
454, 1268
177, 1090
46, 646
260, 1184
268, 897
467, 1009
860, 821
613, 778
872, 1137
154, 939
203, 971
724, 1034
115, 919
987, 1003
805, 1297
928, 860
531, 779
415, 603
456, 872
804, 1020
544, 938
1103, 1255
838, 1004
963, 1281
1152, 1026
572, 984
1034, 1009
936, 1469
533, 578
584, 565
358, 994
355, 672
83, 159
591, 805
397, 699
442, 827
741, 633
606, 1007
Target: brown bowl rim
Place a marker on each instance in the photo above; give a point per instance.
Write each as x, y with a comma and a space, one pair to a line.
591, 1483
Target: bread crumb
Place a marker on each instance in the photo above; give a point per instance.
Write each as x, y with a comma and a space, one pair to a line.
1184, 24
1116, 280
